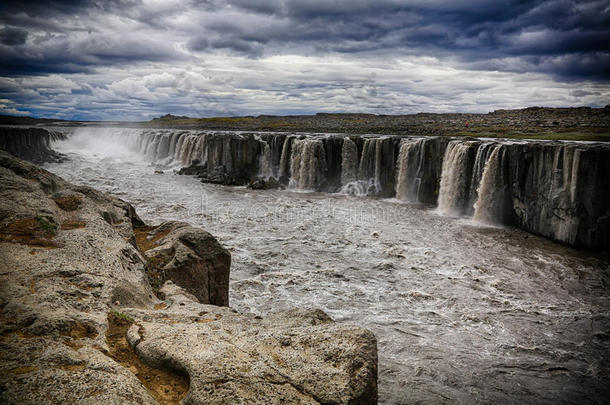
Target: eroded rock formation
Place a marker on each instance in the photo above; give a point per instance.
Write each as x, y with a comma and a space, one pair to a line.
190, 257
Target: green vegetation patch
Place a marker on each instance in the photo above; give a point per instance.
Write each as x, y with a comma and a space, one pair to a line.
122, 315
47, 227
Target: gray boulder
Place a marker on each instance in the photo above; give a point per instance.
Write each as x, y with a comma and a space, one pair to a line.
190, 257
296, 356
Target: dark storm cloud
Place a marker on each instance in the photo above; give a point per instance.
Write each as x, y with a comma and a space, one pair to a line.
470, 31
13, 36
197, 57
561, 37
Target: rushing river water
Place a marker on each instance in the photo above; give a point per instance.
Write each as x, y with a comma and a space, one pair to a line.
462, 313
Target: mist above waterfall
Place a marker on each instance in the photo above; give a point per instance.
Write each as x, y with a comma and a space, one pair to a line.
101, 142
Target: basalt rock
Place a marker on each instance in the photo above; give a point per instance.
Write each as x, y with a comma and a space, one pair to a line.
265, 184
31, 144
561, 191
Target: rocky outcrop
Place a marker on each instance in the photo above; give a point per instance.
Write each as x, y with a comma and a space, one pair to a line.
80, 322
31, 144
190, 257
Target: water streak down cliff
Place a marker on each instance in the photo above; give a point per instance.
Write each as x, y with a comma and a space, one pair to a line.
560, 190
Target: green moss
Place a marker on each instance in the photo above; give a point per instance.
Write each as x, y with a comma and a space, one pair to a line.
48, 228
123, 316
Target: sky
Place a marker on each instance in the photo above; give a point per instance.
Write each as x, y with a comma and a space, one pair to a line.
138, 59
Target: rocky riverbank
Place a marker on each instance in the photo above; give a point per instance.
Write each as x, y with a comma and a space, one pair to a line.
98, 307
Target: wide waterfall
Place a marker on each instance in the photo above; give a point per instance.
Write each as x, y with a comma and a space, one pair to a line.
556, 189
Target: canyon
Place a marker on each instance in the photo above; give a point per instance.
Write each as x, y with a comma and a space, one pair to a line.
405, 236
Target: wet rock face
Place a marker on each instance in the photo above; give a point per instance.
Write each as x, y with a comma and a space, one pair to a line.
561, 191
31, 144
190, 257
80, 323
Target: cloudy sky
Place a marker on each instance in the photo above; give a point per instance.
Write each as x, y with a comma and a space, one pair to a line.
136, 59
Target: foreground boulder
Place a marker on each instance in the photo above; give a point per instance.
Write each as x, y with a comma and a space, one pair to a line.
80, 322
190, 257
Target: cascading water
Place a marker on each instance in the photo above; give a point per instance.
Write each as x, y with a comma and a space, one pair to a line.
285, 159
410, 160
368, 170
483, 152
490, 207
265, 164
308, 164
370, 176
455, 179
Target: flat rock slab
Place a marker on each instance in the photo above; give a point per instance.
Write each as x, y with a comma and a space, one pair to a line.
296, 356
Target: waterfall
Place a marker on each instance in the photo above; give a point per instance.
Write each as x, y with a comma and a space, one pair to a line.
198, 148
482, 155
409, 170
284, 174
203, 156
151, 148
163, 149
308, 164
490, 205
455, 179
264, 160
186, 150
172, 144
369, 178
368, 168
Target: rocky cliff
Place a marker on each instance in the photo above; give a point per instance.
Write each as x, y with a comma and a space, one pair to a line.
98, 307
31, 144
